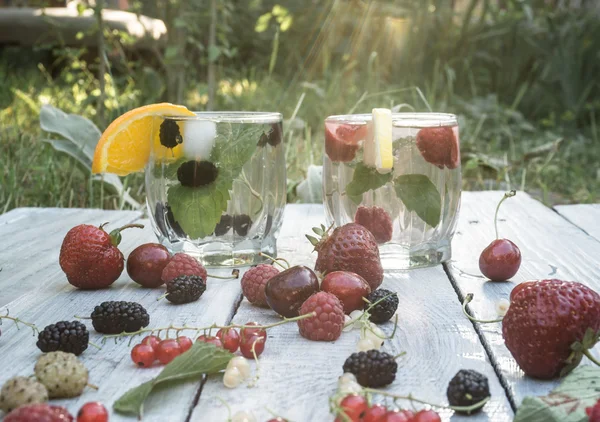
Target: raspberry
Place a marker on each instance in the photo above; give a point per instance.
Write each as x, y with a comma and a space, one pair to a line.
377, 221
39, 413
387, 304
70, 337
329, 320
185, 289
21, 391
62, 373
467, 388
254, 282
183, 264
118, 317
194, 174
372, 368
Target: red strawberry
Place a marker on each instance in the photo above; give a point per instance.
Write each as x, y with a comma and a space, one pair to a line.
377, 221
550, 325
593, 412
439, 146
349, 248
90, 258
342, 140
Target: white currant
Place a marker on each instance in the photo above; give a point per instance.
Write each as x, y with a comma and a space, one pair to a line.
241, 363
232, 377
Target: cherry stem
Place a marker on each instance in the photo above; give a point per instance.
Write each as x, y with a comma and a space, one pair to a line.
161, 297
214, 326
18, 321
468, 300
399, 355
234, 274
276, 260
94, 345
466, 409
253, 350
506, 195
130, 226
92, 386
591, 357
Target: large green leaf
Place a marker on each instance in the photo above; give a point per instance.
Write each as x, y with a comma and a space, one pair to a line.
418, 193
365, 179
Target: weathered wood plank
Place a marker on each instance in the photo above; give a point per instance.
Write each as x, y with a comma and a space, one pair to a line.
584, 216
111, 368
551, 247
297, 375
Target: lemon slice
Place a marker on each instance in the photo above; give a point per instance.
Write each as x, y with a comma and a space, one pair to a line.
378, 145
125, 145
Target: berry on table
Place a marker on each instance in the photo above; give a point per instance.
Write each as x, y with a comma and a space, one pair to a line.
328, 321
377, 221
349, 288
426, 416
21, 391
210, 339
254, 281
249, 343
352, 407
92, 412
230, 338
183, 264
467, 388
151, 341
62, 373
146, 263
375, 413
70, 337
185, 289
167, 350
117, 317
232, 377
39, 412
143, 355
241, 363
398, 415
386, 305
185, 343
286, 292
365, 344
247, 331
372, 368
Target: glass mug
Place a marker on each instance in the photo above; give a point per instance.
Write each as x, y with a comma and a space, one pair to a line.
406, 191
216, 185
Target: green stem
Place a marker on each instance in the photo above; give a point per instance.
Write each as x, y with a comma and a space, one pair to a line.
129, 226
466, 409
252, 191
234, 274
468, 300
275, 260
399, 355
587, 354
506, 195
18, 321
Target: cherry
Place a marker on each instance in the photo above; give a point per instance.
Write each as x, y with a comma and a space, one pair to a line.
375, 413
143, 355
398, 416
230, 338
502, 258
349, 287
146, 263
92, 412
185, 343
427, 416
151, 341
167, 350
353, 407
247, 342
287, 291
210, 339
249, 332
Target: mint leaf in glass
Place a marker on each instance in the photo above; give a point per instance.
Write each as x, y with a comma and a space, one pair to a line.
420, 195
366, 178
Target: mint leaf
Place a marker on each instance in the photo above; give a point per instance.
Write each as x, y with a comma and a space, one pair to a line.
364, 179
202, 358
198, 210
567, 402
420, 195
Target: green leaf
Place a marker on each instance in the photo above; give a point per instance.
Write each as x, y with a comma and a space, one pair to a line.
366, 178
567, 402
214, 53
420, 195
202, 358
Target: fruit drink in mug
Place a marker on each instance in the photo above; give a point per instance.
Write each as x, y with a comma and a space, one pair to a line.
398, 174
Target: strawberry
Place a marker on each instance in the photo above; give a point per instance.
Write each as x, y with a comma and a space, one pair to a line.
550, 325
439, 146
90, 258
342, 140
377, 221
349, 248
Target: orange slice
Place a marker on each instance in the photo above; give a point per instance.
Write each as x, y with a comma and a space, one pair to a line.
126, 144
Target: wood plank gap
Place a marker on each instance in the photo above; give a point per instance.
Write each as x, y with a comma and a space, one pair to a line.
573, 223
484, 342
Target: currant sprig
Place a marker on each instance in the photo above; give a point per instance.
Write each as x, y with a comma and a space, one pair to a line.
18, 321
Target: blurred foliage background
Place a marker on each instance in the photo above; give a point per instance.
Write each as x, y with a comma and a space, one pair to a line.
522, 75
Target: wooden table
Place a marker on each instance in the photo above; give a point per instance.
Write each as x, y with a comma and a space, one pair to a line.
297, 376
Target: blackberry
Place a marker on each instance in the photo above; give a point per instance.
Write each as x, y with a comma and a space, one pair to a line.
467, 388
117, 317
185, 289
275, 135
241, 224
197, 173
223, 225
385, 309
165, 220
169, 134
372, 368
69, 337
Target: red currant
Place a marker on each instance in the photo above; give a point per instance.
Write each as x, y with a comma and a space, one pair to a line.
398, 416
92, 412
151, 340
246, 346
230, 338
185, 343
249, 332
167, 350
353, 407
210, 339
427, 416
375, 413
143, 355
